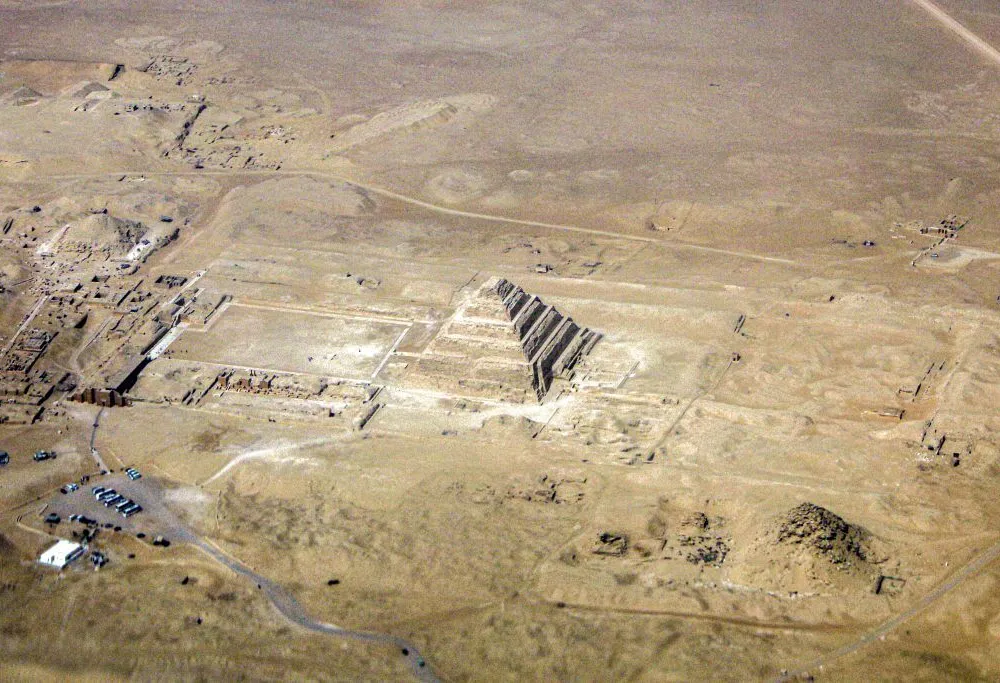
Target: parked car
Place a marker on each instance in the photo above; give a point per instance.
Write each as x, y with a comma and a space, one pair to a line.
39, 456
129, 511
4, 458
52, 518
107, 493
133, 473
98, 490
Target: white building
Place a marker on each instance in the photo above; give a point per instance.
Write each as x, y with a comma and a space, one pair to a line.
61, 554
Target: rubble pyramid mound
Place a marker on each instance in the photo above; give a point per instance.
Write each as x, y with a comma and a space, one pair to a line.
24, 95
825, 534
106, 232
809, 549
85, 89
507, 342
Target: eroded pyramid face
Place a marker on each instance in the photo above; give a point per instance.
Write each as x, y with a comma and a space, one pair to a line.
506, 338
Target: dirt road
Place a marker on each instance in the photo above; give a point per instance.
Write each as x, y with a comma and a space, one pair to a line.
101, 465
267, 452
974, 41
413, 201
973, 567
290, 608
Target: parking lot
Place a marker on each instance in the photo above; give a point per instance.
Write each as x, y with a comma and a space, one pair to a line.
153, 519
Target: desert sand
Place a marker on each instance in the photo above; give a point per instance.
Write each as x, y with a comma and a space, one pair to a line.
477, 341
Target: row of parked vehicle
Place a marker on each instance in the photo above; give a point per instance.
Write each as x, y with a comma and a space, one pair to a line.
111, 498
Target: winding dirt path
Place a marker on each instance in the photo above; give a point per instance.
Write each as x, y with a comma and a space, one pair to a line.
275, 451
293, 611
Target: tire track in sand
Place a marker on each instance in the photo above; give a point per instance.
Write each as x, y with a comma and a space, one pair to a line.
974, 41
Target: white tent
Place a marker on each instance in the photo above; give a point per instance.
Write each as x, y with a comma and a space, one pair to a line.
61, 554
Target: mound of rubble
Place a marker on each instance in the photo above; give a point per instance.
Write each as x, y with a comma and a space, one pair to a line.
825, 534
810, 549
104, 232
23, 96
411, 117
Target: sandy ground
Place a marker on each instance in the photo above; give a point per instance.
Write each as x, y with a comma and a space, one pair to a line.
781, 456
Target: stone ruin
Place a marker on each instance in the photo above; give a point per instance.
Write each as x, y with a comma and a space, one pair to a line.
506, 343
552, 343
825, 534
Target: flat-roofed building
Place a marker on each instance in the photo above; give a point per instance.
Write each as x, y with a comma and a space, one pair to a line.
61, 554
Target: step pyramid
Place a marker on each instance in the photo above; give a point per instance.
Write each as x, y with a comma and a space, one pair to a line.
551, 342
507, 342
